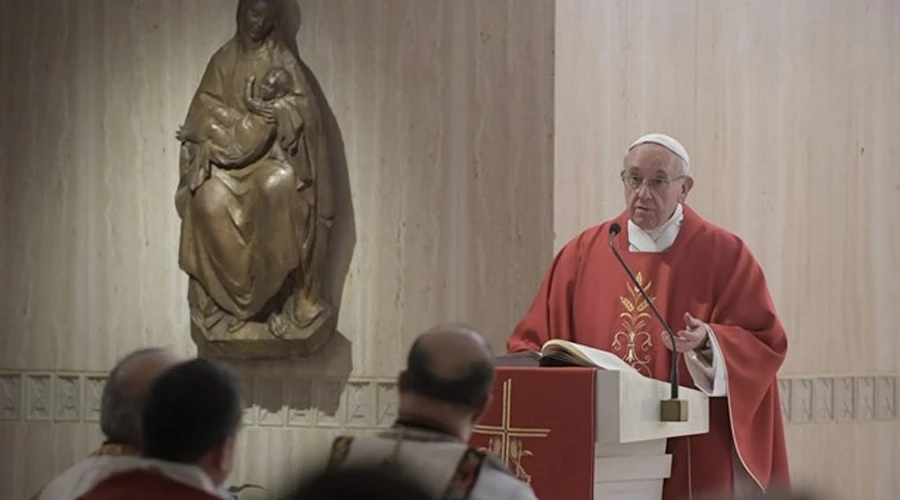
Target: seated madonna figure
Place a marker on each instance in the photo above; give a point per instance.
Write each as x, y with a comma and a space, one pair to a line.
254, 193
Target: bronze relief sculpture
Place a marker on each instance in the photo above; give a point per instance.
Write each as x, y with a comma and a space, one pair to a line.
255, 198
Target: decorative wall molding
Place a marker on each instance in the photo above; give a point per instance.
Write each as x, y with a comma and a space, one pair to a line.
11, 396
371, 403
839, 399
357, 403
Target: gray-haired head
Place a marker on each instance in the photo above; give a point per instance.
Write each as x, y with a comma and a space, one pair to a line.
670, 143
656, 177
124, 392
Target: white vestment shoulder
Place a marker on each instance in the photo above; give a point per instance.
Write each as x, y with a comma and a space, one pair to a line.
80, 477
432, 460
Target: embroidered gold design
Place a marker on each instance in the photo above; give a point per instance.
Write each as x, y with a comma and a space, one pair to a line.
505, 442
633, 341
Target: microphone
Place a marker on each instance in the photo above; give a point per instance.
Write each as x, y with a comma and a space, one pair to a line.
672, 410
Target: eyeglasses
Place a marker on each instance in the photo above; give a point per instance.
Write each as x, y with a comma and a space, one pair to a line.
660, 184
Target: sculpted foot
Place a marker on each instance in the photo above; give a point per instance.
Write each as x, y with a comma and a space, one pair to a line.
234, 325
278, 325
306, 313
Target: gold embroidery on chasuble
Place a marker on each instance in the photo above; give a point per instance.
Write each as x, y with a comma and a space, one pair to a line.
340, 448
507, 441
632, 341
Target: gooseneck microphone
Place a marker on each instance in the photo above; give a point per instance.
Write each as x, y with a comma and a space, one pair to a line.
673, 410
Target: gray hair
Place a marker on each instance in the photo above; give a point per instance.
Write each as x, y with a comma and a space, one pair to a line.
120, 411
684, 170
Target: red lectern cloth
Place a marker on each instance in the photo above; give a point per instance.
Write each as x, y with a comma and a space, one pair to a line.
541, 424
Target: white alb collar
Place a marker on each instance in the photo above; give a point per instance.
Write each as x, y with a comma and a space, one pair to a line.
657, 239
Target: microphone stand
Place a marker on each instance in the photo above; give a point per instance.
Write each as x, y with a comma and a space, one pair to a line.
673, 409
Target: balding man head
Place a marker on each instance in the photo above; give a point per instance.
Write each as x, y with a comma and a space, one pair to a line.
124, 392
448, 378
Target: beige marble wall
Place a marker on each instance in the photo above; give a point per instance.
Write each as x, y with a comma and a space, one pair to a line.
472, 151
445, 112
789, 110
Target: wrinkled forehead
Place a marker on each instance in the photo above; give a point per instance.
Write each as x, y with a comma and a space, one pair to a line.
651, 159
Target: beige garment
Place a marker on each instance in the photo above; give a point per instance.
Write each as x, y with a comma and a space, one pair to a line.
432, 459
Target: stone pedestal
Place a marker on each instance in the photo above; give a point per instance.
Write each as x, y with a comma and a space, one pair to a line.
256, 340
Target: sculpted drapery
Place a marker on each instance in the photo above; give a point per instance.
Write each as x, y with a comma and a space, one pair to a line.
254, 192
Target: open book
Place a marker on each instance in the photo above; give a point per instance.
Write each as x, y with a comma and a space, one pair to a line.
564, 353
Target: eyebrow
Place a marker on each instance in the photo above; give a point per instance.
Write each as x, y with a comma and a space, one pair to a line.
634, 171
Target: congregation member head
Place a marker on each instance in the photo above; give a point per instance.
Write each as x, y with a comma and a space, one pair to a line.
124, 393
448, 379
192, 416
189, 424
443, 391
120, 417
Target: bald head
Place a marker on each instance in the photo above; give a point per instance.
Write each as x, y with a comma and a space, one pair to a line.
453, 350
125, 389
452, 364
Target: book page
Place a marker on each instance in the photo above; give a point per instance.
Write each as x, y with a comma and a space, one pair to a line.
583, 355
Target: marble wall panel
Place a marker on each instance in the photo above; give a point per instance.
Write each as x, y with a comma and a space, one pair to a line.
788, 110
443, 119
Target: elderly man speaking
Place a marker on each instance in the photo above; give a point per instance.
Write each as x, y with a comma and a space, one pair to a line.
705, 282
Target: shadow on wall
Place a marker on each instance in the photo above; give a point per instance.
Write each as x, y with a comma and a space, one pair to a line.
343, 233
298, 392
308, 391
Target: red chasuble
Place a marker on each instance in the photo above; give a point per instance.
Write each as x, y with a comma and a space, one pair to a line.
587, 298
144, 485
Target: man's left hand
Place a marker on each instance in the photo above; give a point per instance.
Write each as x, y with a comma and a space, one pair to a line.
692, 337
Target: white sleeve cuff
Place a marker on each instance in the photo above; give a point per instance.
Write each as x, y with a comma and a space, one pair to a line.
710, 380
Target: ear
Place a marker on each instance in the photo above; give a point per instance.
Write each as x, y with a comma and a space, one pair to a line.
686, 187
228, 452
218, 454
215, 461
487, 404
401, 382
220, 460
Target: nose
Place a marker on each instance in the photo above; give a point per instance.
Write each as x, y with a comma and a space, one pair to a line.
643, 191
